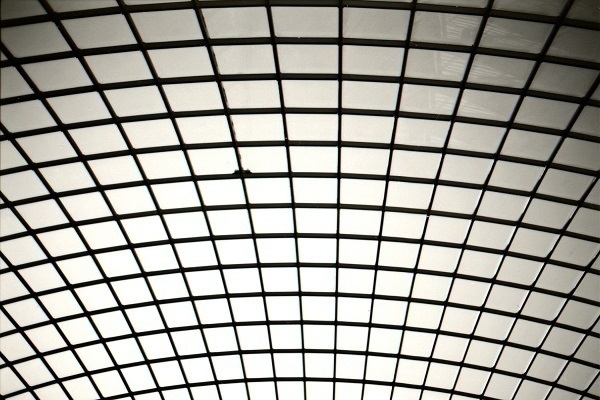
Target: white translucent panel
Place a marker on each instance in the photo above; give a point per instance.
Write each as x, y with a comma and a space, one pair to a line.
353, 309
360, 222
319, 389
168, 373
283, 308
236, 22
472, 380
286, 337
459, 320
543, 306
156, 258
514, 360
369, 95
124, 351
370, 60
317, 279
213, 311
429, 287
144, 229
154, 133
78, 330
445, 28
257, 365
364, 161
310, 94
314, 190
111, 324
577, 43
11, 286
273, 220
130, 200
454, 199
61, 304
545, 113
392, 312
167, 25
264, 159
510, 34
533, 242
410, 195
551, 8
441, 375
479, 263
80, 269
465, 169
210, 129
239, 251
403, 225
308, 58
288, 364
313, 159
57, 74
62, 242
363, 128
132, 291
17, 117
351, 338
411, 372
528, 333
193, 96
96, 297
424, 316
505, 298
502, 205
355, 281
434, 64
350, 367
34, 39
575, 251
421, 132
489, 235
176, 195
494, 326
318, 365
252, 94
222, 191
46, 147
594, 196
578, 376
537, 146
515, 176
276, 250
312, 126
375, 24
587, 122
357, 251
14, 85
242, 280
10, 156
98, 139
487, 105
253, 127
380, 369
86, 206
318, 309
102, 31
133, 67
18, 9
564, 184
205, 282
317, 250
415, 164
450, 348
102, 235
438, 258
579, 153
268, 190
41, 277
22, 250
417, 343
136, 101
305, 21
393, 283
34, 372
249, 59
213, 161
40, 214
156, 346
233, 390
500, 71
164, 165
10, 223
547, 213
428, 99
177, 62
585, 222
469, 292
139, 378
81, 387
588, 349
361, 191
67, 177
588, 287
476, 137
556, 78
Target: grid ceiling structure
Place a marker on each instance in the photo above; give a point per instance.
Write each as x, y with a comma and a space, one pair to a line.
299, 200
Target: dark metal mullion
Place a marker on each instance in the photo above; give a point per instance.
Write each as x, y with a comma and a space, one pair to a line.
340, 45
475, 46
223, 96
292, 195
173, 121
385, 194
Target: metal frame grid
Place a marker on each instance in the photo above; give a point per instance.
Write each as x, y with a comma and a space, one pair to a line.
294, 265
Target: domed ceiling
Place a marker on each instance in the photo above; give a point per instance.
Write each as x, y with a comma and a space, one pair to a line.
299, 200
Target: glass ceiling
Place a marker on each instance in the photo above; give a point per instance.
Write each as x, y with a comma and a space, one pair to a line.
300, 200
